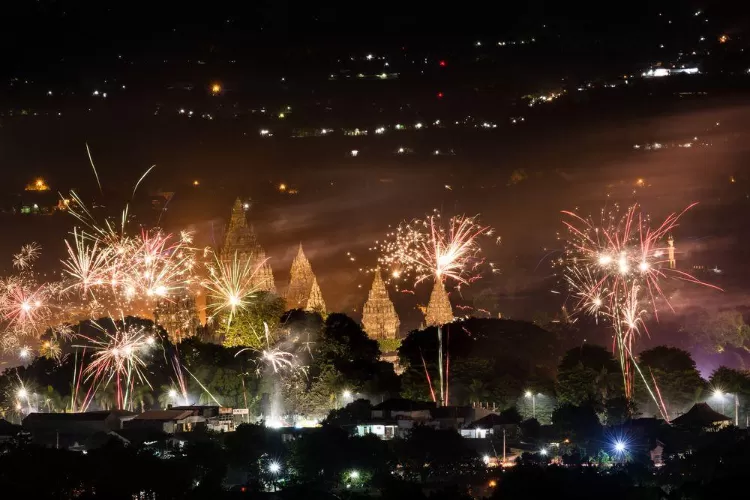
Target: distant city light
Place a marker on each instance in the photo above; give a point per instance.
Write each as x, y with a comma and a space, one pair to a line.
354, 152
442, 63
215, 88
282, 187
369, 57
196, 183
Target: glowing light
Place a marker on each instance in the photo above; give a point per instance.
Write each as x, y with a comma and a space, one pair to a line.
354, 474
347, 394
282, 187
172, 394
615, 294
274, 467
354, 152
543, 452
718, 394
620, 447
22, 393
215, 88
486, 459
528, 394
196, 183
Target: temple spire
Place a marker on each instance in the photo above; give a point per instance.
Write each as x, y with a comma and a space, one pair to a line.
439, 311
240, 240
303, 291
379, 318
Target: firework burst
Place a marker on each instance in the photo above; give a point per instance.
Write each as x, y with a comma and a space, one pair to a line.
430, 249
615, 269
117, 359
272, 356
231, 285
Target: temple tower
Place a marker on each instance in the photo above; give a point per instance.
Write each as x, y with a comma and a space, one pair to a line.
240, 239
439, 311
303, 292
178, 316
379, 318
670, 252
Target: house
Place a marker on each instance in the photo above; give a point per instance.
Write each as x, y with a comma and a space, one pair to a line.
656, 454
8, 431
218, 419
489, 426
702, 417
403, 408
69, 429
396, 417
453, 417
169, 421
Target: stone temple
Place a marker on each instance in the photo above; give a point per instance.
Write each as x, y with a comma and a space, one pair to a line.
439, 311
379, 318
240, 239
304, 292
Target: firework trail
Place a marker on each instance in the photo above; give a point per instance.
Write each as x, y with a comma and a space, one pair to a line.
429, 248
273, 356
615, 269
116, 359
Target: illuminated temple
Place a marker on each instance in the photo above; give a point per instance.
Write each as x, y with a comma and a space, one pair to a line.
304, 292
379, 318
240, 239
439, 311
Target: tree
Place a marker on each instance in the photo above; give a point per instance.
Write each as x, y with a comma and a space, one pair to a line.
735, 382
353, 413
721, 330
491, 360
678, 381
141, 397
588, 374
576, 422
247, 328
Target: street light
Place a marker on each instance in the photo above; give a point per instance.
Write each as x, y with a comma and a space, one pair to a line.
274, 468
719, 394
532, 396
620, 447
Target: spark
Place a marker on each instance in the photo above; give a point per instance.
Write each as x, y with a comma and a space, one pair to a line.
597, 268
231, 285
26, 257
428, 248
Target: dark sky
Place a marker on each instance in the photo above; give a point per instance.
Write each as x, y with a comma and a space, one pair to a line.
576, 153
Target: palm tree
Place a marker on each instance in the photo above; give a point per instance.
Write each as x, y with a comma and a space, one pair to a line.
477, 391
52, 401
140, 396
105, 397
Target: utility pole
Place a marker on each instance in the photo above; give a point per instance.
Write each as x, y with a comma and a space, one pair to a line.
503, 446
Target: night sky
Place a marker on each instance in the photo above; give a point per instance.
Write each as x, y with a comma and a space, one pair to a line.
576, 152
